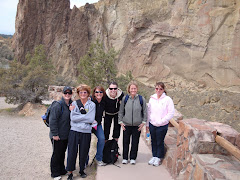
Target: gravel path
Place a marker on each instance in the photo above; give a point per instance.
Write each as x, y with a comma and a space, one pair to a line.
25, 148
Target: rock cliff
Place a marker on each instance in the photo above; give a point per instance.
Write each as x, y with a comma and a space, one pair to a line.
192, 45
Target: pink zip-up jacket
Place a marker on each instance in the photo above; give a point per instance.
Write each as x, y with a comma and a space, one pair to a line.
160, 111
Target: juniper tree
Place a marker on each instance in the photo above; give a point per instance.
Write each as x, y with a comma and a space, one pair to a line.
28, 82
97, 66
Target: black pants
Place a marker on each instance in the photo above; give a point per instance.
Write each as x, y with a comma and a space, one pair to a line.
107, 126
131, 131
75, 140
58, 157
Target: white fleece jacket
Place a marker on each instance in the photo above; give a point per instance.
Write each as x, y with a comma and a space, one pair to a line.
160, 111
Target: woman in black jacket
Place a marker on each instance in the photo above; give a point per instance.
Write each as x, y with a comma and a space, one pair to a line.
98, 98
59, 123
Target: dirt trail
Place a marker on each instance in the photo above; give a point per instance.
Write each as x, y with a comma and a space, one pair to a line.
25, 147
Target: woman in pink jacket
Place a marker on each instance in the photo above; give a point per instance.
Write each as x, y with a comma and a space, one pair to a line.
160, 111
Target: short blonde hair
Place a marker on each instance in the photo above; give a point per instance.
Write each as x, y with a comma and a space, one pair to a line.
131, 83
84, 87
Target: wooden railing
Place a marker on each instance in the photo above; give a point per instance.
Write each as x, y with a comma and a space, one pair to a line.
174, 123
220, 140
228, 146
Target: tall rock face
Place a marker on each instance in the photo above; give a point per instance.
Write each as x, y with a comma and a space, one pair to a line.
188, 43
64, 32
192, 45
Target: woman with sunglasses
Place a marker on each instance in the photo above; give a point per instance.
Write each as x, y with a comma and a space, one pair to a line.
160, 111
114, 96
98, 96
59, 123
82, 116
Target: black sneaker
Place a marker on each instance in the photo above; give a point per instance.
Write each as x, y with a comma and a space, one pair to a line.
83, 175
70, 177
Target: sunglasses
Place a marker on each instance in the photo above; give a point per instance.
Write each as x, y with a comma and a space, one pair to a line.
98, 92
83, 92
67, 92
160, 89
113, 88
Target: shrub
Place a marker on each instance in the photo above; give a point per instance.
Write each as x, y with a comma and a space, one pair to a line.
97, 66
27, 83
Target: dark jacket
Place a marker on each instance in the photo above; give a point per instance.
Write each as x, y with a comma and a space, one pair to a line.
112, 104
59, 122
100, 107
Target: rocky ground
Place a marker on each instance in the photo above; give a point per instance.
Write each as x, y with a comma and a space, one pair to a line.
25, 148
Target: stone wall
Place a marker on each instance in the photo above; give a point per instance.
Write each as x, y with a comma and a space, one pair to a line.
192, 153
55, 93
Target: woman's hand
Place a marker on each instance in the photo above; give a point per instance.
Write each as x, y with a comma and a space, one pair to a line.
140, 127
123, 126
56, 138
71, 107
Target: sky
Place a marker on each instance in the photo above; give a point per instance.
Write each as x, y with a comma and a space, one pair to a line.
8, 11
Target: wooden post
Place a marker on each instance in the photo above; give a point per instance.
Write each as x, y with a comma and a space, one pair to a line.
228, 146
221, 141
174, 123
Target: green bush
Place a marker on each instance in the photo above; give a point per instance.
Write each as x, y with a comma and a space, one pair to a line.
97, 66
27, 83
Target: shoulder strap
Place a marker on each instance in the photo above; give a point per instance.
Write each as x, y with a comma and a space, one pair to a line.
61, 103
79, 103
141, 100
126, 99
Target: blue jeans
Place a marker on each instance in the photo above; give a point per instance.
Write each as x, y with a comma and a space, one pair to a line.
101, 141
157, 138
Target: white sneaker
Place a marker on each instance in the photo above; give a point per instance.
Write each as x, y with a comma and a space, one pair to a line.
57, 178
151, 161
157, 162
124, 161
132, 161
101, 163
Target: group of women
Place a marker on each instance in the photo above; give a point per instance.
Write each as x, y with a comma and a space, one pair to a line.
72, 123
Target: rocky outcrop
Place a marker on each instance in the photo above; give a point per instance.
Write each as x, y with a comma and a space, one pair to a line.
62, 31
212, 105
190, 45
194, 44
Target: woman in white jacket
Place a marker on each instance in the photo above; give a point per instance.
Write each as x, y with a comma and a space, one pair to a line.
160, 111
